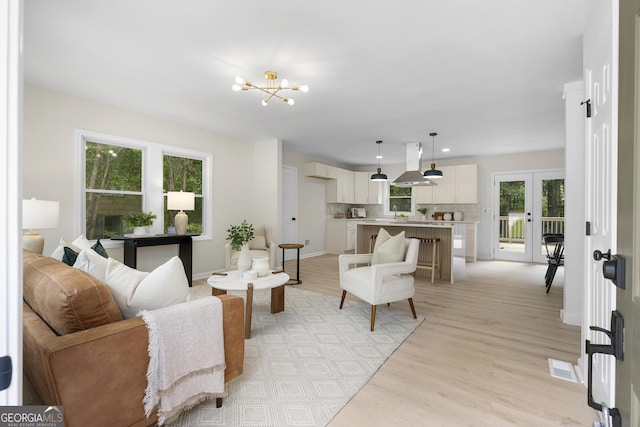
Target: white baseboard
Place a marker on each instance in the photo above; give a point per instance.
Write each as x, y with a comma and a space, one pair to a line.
571, 319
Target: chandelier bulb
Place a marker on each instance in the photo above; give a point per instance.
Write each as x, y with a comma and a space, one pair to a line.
284, 84
265, 102
290, 101
239, 80
236, 87
304, 88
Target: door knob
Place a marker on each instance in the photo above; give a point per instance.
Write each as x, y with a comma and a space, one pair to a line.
598, 255
613, 268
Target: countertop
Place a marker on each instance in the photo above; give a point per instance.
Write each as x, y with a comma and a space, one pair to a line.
421, 224
411, 222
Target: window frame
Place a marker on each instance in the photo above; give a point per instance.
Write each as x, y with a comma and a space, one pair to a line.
387, 208
153, 195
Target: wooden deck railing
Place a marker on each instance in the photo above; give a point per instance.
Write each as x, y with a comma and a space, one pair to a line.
512, 227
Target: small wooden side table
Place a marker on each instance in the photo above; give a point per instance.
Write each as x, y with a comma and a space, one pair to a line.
296, 246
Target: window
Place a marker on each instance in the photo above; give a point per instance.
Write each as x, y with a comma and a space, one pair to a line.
113, 187
123, 176
183, 174
399, 200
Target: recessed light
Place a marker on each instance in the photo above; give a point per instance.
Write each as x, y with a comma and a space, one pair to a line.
446, 150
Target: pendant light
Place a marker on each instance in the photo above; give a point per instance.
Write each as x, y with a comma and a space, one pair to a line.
379, 176
433, 173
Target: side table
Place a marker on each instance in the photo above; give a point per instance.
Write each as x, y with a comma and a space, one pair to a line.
296, 246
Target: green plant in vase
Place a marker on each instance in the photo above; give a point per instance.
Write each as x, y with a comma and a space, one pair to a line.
239, 236
142, 219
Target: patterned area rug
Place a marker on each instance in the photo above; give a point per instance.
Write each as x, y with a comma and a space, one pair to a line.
304, 364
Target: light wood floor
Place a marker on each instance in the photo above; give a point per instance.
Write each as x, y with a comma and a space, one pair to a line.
478, 359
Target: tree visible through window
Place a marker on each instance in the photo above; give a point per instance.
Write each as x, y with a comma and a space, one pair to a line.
399, 199
183, 174
113, 187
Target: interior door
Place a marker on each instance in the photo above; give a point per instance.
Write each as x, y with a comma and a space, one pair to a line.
289, 208
628, 299
600, 73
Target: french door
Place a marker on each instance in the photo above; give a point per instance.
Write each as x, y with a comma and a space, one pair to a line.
527, 206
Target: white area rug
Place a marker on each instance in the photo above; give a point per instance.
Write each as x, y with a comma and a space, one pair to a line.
304, 364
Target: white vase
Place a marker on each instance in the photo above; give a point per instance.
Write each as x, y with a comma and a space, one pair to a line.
139, 231
261, 265
244, 260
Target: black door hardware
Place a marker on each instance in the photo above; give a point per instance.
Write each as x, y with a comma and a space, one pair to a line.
613, 268
6, 369
529, 216
616, 335
588, 102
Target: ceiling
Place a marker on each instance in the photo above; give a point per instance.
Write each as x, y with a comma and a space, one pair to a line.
487, 76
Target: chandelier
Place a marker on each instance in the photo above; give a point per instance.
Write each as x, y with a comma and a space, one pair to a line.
272, 89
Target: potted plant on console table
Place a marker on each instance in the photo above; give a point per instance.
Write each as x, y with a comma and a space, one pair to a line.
139, 222
239, 236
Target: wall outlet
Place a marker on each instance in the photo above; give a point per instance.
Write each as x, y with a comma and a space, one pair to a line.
306, 242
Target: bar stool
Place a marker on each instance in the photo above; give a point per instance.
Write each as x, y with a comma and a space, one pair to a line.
435, 255
372, 243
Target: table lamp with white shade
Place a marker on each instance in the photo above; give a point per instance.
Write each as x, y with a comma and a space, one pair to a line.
180, 201
38, 214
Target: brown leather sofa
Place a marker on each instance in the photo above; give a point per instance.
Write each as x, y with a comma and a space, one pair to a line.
81, 354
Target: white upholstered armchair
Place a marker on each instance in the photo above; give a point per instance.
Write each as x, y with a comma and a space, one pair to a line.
262, 245
379, 283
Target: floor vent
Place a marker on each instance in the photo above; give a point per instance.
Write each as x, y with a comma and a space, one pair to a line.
562, 370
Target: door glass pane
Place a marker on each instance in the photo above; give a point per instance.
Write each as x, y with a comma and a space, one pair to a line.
552, 206
512, 212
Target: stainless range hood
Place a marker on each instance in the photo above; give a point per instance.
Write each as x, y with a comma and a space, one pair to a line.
413, 176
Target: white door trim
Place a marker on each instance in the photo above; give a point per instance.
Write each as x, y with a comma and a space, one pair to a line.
11, 194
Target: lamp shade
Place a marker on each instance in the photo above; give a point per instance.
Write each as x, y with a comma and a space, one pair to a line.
180, 201
37, 214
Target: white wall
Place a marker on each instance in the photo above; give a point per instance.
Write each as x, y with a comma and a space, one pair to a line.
50, 167
311, 215
267, 185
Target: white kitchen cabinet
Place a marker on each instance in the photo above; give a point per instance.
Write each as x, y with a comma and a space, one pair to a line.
423, 194
320, 170
366, 192
459, 184
471, 244
341, 190
340, 236
467, 183
445, 191
351, 236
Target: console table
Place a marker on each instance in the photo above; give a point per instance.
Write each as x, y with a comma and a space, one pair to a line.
132, 243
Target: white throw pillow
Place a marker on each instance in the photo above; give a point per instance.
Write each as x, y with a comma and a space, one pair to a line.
92, 263
122, 281
391, 249
164, 286
258, 242
135, 290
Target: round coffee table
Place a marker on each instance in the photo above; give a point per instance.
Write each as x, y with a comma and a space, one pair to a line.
234, 281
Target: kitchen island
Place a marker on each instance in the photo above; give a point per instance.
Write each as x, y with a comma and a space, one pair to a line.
366, 229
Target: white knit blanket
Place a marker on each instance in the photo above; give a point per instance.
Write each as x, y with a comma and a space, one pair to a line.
186, 352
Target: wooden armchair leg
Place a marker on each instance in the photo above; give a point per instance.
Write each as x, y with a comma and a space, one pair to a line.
344, 294
373, 316
413, 309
